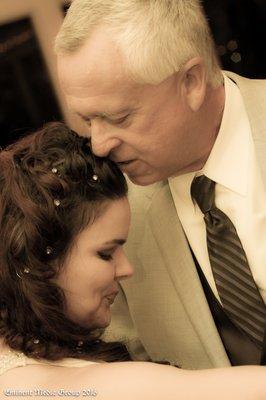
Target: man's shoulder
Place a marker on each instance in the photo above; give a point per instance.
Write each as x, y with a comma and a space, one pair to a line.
253, 92
244, 82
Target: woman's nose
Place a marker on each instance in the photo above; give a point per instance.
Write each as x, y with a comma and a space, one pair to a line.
124, 268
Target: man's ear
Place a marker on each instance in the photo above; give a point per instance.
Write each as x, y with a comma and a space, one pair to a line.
194, 83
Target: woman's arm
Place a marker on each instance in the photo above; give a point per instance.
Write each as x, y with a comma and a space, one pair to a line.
142, 381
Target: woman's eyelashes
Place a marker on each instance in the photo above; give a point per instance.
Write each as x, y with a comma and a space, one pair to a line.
106, 255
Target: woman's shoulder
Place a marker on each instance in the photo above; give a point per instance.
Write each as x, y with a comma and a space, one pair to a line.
123, 380
145, 380
138, 380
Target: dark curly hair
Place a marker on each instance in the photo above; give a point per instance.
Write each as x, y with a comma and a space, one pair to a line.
48, 194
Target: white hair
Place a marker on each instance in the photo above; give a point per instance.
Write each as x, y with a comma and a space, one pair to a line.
156, 37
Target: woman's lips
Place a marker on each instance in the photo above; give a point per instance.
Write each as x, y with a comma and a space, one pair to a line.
111, 297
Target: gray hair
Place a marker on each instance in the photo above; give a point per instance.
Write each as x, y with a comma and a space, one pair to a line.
156, 37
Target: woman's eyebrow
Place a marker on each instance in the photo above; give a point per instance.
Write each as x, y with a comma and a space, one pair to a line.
116, 241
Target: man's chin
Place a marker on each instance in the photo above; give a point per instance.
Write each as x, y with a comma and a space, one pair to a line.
143, 180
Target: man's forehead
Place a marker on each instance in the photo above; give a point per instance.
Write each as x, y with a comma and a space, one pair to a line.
79, 73
98, 97
97, 62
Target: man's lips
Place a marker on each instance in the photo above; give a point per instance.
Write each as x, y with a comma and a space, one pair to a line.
127, 166
126, 162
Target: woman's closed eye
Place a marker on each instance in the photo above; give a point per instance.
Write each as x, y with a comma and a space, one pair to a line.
106, 255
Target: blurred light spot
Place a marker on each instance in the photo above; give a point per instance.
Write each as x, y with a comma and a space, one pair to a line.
221, 50
232, 45
236, 57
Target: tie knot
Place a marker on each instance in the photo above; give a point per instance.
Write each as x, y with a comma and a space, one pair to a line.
202, 191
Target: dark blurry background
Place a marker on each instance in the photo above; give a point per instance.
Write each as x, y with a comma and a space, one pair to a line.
28, 99
239, 30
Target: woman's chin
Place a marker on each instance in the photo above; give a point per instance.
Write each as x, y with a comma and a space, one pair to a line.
101, 321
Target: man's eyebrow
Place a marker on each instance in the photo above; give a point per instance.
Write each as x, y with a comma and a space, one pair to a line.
88, 116
120, 242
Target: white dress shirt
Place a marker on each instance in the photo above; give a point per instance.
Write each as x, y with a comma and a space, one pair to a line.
239, 191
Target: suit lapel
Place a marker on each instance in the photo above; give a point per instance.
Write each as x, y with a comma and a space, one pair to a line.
170, 239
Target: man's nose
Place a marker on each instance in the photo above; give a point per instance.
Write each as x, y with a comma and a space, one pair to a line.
103, 140
124, 268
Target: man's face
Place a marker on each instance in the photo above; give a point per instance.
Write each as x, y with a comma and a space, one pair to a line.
147, 129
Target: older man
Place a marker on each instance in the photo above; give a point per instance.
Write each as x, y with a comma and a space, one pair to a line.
143, 78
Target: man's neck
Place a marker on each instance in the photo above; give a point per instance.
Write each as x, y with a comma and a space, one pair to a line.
210, 119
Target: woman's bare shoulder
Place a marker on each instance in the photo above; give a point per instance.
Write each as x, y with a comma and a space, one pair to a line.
122, 380
143, 380
139, 380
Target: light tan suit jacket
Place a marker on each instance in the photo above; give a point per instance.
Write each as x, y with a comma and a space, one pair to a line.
163, 306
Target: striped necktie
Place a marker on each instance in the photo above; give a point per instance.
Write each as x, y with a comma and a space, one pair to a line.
237, 289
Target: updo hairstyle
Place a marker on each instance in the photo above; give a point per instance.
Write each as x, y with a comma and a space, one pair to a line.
51, 188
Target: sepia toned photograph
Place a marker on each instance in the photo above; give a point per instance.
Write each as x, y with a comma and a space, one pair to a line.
133, 199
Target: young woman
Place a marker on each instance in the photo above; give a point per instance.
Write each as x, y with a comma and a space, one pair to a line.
64, 218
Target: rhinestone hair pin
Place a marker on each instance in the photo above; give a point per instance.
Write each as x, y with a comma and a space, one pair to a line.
54, 170
49, 250
26, 270
18, 275
57, 202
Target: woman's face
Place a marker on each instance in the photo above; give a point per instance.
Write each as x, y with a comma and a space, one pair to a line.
94, 266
